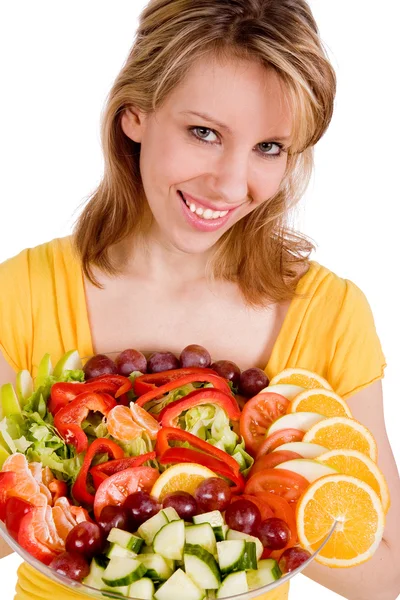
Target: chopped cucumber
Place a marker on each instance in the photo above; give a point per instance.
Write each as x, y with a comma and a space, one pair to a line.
152, 526
123, 571
249, 560
267, 572
220, 532
233, 584
239, 535
201, 566
125, 539
202, 535
231, 555
158, 568
170, 540
95, 577
117, 550
179, 586
143, 589
171, 514
214, 517
146, 549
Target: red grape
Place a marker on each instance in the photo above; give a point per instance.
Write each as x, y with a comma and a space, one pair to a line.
162, 361
15, 509
85, 538
274, 533
292, 558
213, 494
195, 356
183, 502
130, 360
71, 564
252, 381
140, 506
244, 516
100, 364
113, 516
228, 370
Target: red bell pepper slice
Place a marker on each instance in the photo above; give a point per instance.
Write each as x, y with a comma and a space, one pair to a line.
151, 381
102, 471
62, 393
177, 455
218, 382
101, 445
8, 481
122, 383
170, 414
68, 419
173, 433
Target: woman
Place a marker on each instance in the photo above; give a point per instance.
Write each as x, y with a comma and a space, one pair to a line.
208, 139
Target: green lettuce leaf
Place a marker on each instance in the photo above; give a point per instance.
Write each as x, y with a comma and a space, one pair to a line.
155, 406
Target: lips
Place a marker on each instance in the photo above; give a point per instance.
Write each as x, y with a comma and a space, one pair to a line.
197, 221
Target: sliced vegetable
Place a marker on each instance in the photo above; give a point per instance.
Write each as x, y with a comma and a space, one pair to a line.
149, 382
99, 446
283, 483
257, 416
169, 416
103, 470
283, 436
271, 460
215, 380
62, 393
68, 420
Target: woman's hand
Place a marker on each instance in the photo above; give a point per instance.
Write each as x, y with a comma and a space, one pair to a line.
380, 576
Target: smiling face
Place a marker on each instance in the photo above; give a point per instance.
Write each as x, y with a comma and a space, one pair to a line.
213, 152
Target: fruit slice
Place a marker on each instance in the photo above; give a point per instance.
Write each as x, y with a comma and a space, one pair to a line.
357, 464
321, 401
45, 369
24, 386
302, 421
281, 482
342, 433
145, 420
305, 449
271, 460
359, 513
181, 477
257, 415
120, 424
71, 361
309, 469
277, 439
301, 377
9, 402
286, 390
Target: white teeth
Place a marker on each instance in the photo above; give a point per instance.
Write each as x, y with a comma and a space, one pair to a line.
206, 213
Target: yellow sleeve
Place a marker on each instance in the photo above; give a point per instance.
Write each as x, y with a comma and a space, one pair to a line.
357, 356
16, 328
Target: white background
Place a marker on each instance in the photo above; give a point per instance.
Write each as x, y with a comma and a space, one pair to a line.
59, 61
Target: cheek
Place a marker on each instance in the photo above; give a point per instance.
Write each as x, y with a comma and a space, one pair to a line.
268, 179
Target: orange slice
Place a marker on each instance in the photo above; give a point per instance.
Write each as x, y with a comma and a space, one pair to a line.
357, 464
26, 486
342, 433
145, 420
184, 477
120, 424
301, 377
322, 401
358, 510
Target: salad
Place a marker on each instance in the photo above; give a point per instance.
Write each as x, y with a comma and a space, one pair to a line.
168, 478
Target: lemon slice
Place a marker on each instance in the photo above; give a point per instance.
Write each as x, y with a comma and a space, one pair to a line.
185, 477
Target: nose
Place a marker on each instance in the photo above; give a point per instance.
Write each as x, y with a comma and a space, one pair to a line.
229, 177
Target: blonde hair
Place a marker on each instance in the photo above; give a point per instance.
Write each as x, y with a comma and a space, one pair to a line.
261, 253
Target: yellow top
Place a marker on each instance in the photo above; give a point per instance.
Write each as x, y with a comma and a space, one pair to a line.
43, 309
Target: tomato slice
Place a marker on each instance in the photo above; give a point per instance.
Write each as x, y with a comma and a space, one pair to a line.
281, 482
269, 461
265, 510
257, 415
282, 436
114, 490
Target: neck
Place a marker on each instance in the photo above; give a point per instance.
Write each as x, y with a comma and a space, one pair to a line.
156, 261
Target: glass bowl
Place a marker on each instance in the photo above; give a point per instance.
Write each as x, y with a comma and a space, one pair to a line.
93, 592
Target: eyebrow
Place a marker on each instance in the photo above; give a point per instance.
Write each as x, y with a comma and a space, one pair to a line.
224, 127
